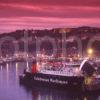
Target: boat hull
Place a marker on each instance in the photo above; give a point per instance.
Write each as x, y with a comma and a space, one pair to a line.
53, 81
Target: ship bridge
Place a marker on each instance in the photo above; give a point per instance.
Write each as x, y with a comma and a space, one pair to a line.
88, 67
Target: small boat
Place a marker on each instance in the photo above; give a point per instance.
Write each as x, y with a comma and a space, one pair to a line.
82, 75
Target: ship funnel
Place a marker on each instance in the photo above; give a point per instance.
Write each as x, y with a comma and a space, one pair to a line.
34, 67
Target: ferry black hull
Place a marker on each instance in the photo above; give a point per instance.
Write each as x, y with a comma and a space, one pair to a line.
53, 81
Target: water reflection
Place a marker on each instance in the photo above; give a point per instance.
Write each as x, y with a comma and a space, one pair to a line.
52, 94
1, 75
17, 65
10, 89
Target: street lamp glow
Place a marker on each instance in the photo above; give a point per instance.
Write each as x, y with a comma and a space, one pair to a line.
90, 51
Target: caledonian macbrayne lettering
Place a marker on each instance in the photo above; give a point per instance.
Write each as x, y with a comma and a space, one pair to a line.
50, 80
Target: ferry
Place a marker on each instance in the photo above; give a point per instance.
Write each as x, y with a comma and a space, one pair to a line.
81, 75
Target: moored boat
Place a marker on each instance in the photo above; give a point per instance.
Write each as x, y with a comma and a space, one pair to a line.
82, 76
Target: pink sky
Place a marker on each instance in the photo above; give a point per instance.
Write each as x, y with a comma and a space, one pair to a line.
40, 14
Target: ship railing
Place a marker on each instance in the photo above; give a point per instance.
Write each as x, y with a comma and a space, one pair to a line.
62, 73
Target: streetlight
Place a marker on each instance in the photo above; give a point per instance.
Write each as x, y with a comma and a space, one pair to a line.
90, 52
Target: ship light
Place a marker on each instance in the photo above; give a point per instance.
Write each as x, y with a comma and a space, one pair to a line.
77, 70
38, 66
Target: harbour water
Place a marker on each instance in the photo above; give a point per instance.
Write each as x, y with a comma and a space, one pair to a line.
10, 89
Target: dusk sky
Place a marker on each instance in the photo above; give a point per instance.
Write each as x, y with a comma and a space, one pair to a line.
40, 14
